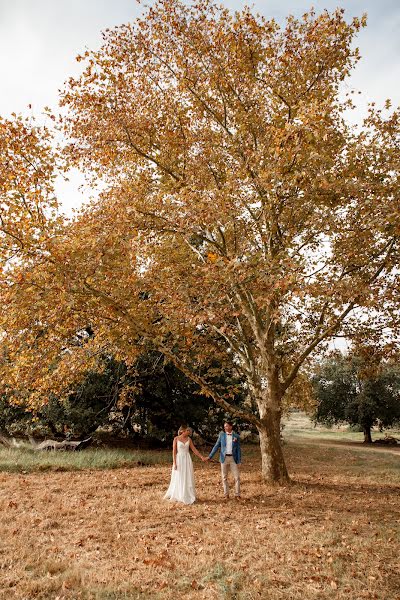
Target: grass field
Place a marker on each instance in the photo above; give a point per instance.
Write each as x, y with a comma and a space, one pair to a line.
26, 460
106, 534
299, 424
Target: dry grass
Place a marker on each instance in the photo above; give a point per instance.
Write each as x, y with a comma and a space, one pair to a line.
108, 535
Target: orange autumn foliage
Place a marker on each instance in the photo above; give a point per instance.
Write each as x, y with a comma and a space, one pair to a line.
243, 221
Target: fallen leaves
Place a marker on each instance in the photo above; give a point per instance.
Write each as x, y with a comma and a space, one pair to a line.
160, 560
282, 547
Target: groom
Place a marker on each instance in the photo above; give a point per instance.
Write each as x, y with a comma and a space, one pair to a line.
230, 456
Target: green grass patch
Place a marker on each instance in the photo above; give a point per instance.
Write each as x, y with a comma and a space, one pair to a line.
298, 424
372, 462
28, 460
335, 434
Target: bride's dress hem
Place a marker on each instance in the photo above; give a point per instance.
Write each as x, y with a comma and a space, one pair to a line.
174, 500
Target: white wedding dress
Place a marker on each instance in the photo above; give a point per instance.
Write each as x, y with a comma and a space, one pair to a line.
181, 488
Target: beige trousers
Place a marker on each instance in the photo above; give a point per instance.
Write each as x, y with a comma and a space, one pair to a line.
229, 462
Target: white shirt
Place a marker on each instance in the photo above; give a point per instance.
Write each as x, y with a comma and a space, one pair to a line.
229, 439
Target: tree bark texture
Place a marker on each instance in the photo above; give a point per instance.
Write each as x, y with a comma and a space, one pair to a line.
367, 435
273, 466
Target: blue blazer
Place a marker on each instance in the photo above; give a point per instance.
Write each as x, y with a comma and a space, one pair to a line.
221, 445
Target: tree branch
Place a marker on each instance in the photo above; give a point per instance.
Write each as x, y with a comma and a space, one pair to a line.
331, 329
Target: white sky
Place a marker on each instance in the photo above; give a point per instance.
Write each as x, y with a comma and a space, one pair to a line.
39, 40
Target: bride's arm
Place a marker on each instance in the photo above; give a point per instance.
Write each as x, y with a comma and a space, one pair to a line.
174, 452
195, 451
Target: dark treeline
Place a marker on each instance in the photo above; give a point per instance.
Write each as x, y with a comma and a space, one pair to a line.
146, 403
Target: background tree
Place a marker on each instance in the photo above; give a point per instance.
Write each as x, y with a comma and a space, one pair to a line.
90, 404
147, 402
13, 418
243, 219
163, 398
348, 390
78, 414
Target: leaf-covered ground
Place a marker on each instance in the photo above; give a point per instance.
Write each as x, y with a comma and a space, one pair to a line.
109, 535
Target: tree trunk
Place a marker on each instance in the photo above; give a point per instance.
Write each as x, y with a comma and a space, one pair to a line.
127, 425
367, 434
273, 467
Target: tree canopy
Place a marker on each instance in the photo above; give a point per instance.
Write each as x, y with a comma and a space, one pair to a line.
351, 390
146, 403
242, 218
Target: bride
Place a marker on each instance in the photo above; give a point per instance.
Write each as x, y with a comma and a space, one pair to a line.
181, 487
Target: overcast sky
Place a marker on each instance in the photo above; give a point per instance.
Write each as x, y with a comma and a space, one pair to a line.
39, 40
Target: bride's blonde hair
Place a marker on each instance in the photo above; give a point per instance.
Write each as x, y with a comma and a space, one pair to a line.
183, 428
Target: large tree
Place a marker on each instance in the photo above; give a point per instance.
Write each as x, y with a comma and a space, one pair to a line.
241, 217
351, 389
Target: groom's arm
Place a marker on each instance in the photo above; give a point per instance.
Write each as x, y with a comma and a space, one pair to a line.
239, 451
215, 449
